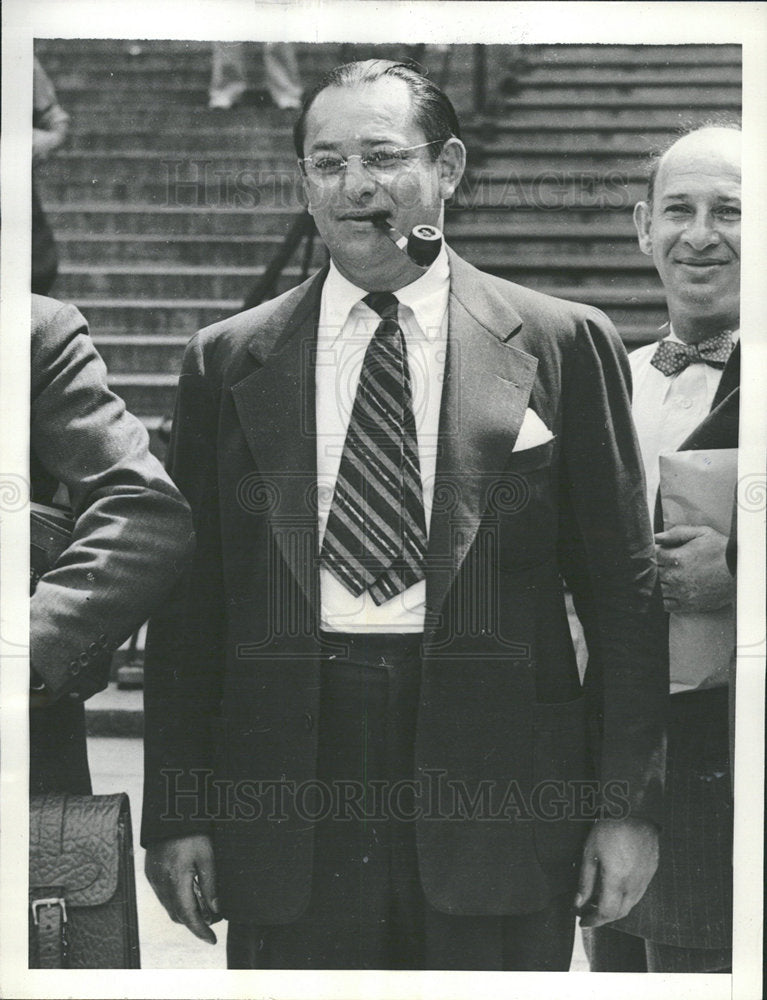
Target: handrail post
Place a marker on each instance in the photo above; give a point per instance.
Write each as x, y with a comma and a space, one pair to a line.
479, 80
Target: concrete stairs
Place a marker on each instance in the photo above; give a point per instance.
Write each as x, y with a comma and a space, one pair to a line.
166, 212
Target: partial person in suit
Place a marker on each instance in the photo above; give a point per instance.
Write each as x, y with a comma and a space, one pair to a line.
132, 537
686, 396
50, 127
367, 744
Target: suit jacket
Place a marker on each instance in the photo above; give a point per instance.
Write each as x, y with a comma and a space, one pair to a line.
232, 674
688, 904
132, 537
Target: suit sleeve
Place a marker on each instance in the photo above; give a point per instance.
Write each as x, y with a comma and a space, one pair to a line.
608, 560
133, 532
185, 654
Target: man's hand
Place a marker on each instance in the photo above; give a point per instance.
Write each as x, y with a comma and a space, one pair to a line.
619, 859
171, 867
693, 569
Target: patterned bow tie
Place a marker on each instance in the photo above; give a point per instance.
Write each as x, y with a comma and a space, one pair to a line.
672, 357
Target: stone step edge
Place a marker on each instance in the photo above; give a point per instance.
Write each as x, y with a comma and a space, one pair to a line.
612, 294
603, 262
475, 232
113, 712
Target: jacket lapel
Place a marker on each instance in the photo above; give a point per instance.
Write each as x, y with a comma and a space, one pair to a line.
485, 394
730, 377
276, 409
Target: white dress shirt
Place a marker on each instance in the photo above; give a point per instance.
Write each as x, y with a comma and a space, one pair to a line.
345, 330
667, 408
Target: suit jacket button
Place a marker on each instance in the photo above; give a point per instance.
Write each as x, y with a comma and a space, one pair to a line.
84, 659
93, 648
74, 667
308, 721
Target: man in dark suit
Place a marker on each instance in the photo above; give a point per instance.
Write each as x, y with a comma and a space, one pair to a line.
686, 398
367, 742
132, 537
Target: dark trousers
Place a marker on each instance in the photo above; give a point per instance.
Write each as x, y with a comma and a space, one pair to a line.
611, 950
367, 909
58, 757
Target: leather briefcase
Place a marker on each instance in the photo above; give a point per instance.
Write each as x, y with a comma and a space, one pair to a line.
50, 532
82, 886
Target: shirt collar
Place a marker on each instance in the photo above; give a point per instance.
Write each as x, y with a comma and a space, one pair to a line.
735, 334
426, 297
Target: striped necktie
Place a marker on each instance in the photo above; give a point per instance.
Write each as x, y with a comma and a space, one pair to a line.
375, 538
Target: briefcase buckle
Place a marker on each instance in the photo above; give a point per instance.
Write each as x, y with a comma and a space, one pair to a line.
49, 901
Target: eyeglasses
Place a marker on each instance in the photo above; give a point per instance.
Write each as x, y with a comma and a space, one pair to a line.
379, 162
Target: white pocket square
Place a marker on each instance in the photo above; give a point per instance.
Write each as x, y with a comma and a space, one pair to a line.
532, 432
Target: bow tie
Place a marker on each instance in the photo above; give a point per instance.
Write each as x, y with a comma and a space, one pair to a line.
672, 357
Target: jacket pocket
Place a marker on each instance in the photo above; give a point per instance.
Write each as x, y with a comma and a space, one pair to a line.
530, 459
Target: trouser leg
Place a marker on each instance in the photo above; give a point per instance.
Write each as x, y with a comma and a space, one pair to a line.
355, 919
611, 950
540, 941
227, 77
282, 77
669, 958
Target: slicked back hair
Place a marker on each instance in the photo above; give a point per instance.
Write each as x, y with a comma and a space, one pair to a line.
432, 110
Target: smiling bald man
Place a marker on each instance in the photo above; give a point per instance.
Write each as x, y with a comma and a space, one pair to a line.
686, 397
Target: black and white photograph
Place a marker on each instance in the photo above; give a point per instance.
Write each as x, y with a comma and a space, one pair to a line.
382, 516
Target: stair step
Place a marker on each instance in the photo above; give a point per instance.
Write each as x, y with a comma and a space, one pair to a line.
552, 190
146, 394
513, 113
161, 316
629, 307
550, 130
230, 251
176, 77
582, 115
169, 220
248, 251
106, 54
595, 160
552, 74
219, 282
626, 55
79, 162
548, 188
588, 142
550, 274
133, 354
241, 137
164, 186
627, 96
95, 103
163, 281
230, 169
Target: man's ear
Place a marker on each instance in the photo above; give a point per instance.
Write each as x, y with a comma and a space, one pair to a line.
642, 221
305, 197
452, 163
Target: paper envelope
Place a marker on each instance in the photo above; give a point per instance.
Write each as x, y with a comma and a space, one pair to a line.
697, 488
